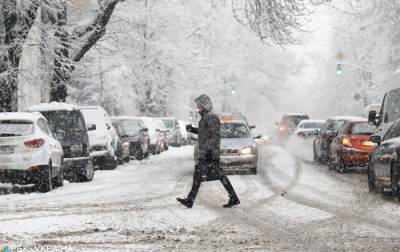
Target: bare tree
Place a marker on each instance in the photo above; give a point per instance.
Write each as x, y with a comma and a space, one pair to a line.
16, 20
274, 20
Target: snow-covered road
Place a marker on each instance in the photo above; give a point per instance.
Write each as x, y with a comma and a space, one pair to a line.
291, 204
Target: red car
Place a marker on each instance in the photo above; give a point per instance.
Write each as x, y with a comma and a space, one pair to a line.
351, 147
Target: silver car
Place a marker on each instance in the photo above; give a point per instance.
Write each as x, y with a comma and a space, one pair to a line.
239, 151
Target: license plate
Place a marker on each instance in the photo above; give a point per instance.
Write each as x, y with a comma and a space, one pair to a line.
6, 149
368, 143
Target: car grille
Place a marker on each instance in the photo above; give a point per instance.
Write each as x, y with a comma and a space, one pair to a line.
226, 152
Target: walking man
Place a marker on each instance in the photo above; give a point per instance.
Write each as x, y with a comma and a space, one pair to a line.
209, 140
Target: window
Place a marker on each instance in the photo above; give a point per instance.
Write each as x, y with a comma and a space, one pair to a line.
42, 125
234, 130
131, 127
16, 128
393, 131
362, 128
392, 106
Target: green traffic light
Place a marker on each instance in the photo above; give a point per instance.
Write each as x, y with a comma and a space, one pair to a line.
339, 69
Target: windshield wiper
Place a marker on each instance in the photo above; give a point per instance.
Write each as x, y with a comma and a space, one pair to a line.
8, 134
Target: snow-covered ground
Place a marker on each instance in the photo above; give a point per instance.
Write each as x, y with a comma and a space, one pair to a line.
290, 205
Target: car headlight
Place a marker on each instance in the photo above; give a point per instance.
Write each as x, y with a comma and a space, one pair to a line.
125, 144
76, 148
247, 150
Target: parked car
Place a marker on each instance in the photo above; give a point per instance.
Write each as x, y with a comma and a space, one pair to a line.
288, 124
239, 151
308, 128
390, 112
122, 151
137, 132
323, 140
157, 134
174, 137
384, 164
68, 119
29, 152
103, 138
351, 147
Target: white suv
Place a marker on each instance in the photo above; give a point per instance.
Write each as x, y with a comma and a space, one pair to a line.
103, 138
29, 153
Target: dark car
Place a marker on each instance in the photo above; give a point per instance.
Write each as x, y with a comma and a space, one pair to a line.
352, 145
288, 124
384, 164
139, 141
323, 140
122, 151
67, 118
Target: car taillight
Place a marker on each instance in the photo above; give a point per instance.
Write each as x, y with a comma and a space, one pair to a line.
346, 141
282, 127
35, 143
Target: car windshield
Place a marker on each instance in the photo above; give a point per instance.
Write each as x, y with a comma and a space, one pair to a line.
16, 128
131, 127
293, 120
234, 130
311, 125
362, 128
64, 120
169, 123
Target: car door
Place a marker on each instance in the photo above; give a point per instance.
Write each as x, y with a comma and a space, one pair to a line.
383, 154
335, 145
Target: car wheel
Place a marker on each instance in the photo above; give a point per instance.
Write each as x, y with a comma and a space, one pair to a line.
127, 159
59, 180
371, 180
46, 184
317, 159
87, 174
339, 166
394, 179
253, 170
139, 154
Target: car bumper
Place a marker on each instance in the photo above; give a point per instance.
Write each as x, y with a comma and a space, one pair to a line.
75, 165
18, 176
238, 163
354, 157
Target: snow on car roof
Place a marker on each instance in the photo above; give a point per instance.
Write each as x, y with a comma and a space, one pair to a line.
153, 123
116, 118
52, 106
21, 116
349, 118
312, 121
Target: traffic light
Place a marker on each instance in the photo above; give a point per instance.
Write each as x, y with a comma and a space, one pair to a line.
339, 69
233, 89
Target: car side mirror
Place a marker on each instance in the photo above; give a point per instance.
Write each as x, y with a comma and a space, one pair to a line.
372, 117
375, 139
252, 126
91, 127
257, 137
108, 126
59, 134
145, 129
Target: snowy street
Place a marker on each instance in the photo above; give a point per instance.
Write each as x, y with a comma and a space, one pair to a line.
291, 204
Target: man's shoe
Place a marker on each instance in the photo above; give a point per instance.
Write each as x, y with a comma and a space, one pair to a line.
186, 202
232, 203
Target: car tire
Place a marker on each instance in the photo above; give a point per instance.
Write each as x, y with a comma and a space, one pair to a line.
339, 166
59, 180
127, 159
46, 183
317, 159
394, 179
87, 174
139, 154
371, 180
